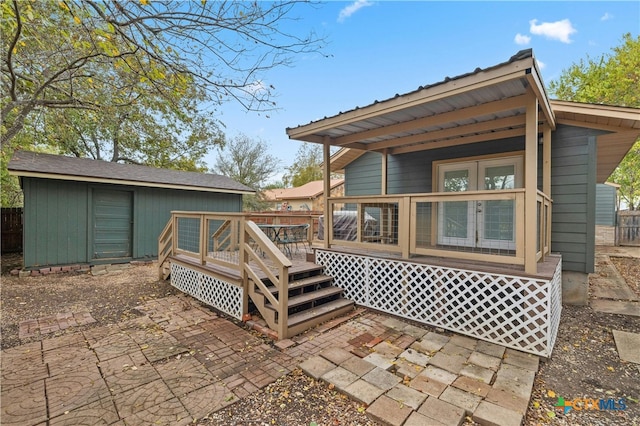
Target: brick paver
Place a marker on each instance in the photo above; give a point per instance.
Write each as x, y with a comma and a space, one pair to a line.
437, 378
53, 323
181, 361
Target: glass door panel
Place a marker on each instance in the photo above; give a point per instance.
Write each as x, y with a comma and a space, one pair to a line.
496, 218
456, 218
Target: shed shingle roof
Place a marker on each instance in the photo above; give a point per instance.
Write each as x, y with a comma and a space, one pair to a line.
48, 166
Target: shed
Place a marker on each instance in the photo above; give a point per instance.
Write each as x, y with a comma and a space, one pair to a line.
79, 210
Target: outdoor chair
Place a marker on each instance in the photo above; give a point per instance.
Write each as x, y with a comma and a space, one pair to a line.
294, 236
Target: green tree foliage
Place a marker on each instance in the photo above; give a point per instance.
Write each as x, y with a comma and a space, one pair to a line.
612, 79
306, 167
127, 81
627, 175
52, 51
245, 160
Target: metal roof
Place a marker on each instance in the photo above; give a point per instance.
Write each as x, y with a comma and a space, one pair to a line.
486, 104
48, 166
482, 105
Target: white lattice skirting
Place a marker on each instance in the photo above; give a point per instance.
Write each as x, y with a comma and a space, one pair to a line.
518, 312
221, 295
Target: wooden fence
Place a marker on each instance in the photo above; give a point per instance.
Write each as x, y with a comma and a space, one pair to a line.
11, 230
629, 228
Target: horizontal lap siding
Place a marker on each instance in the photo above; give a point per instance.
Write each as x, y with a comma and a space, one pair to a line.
364, 175
573, 166
412, 173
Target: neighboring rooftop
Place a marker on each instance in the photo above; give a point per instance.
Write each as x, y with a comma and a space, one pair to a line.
49, 166
309, 190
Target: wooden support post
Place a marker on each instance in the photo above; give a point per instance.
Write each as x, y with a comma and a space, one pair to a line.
203, 239
383, 184
326, 173
546, 187
531, 186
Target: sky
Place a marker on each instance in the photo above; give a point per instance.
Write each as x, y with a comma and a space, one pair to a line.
377, 49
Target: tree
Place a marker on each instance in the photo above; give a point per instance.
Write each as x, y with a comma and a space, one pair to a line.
245, 160
306, 166
53, 51
627, 175
612, 79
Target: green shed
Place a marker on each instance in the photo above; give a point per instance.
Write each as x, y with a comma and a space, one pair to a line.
78, 210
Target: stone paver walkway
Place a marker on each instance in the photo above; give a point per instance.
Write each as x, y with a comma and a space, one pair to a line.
181, 361
53, 323
413, 376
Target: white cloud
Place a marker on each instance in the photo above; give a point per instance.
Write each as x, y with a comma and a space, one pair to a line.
541, 64
353, 8
522, 39
606, 16
559, 30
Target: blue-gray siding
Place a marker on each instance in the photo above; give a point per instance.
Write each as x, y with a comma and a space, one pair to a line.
572, 176
605, 205
58, 218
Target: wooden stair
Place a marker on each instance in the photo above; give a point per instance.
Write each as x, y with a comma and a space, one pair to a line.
312, 300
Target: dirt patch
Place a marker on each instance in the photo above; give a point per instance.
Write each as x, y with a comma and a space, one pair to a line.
585, 364
109, 298
629, 268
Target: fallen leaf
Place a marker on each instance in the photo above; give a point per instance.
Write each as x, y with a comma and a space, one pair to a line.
551, 394
610, 368
551, 414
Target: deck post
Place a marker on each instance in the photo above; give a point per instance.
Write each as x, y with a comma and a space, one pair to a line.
326, 172
203, 239
531, 186
243, 257
283, 303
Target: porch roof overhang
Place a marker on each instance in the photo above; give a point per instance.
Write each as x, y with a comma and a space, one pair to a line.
622, 123
486, 104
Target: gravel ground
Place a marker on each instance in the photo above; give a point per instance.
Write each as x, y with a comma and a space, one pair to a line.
584, 364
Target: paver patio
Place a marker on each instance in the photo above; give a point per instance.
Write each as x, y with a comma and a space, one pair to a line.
181, 361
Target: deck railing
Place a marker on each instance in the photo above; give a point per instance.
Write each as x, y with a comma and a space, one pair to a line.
237, 245
483, 226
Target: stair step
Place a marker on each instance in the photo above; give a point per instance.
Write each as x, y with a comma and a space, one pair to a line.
323, 310
297, 269
310, 297
293, 285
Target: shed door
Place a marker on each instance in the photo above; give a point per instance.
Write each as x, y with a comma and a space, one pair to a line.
112, 223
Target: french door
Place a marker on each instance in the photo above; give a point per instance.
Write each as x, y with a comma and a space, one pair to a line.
479, 224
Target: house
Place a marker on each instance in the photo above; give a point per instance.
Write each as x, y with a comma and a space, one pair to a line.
307, 197
483, 191
79, 210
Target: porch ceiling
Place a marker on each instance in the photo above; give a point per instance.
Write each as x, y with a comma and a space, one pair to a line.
623, 123
483, 105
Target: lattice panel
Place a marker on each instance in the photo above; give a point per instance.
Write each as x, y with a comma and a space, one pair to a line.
555, 306
517, 312
221, 295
